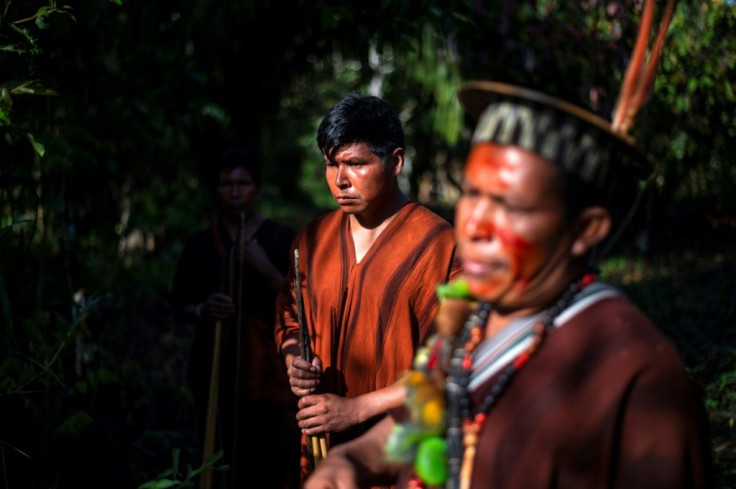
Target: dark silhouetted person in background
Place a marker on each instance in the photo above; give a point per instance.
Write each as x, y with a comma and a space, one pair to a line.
227, 280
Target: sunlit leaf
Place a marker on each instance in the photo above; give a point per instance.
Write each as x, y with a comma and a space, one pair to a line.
37, 147
159, 484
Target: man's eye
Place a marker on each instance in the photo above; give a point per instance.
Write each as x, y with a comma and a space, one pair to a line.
237, 183
515, 209
470, 192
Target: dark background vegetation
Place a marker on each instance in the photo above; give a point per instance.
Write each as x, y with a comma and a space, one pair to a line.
111, 113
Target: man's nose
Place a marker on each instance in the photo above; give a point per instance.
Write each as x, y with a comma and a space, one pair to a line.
341, 178
480, 223
235, 189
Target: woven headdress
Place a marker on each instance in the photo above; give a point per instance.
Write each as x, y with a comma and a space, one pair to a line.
599, 152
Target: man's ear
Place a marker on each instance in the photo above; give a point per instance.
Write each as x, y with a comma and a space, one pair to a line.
397, 161
593, 225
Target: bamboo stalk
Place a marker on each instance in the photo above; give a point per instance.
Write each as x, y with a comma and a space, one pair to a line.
323, 445
316, 450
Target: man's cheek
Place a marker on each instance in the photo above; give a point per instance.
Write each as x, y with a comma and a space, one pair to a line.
519, 251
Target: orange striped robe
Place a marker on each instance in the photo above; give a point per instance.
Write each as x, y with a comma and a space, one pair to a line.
366, 319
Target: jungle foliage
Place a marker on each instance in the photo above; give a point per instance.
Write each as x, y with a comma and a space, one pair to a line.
112, 111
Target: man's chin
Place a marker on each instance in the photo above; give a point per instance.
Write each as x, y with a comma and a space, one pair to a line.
485, 289
235, 213
350, 209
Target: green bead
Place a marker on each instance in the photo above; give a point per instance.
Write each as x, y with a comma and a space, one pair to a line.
431, 461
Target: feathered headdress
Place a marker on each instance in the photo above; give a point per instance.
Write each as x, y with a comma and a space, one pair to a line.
639, 78
599, 152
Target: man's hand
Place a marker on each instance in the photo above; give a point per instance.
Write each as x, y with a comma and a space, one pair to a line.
320, 413
218, 306
333, 472
360, 462
303, 376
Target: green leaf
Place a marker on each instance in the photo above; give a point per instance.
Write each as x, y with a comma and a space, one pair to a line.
81, 387
37, 147
159, 484
32, 87
75, 423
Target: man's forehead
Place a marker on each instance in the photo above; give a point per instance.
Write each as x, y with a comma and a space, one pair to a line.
506, 161
235, 173
355, 149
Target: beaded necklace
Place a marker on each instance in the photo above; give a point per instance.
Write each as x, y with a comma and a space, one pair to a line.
464, 427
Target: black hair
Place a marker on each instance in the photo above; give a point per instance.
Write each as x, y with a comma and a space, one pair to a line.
239, 156
361, 119
621, 199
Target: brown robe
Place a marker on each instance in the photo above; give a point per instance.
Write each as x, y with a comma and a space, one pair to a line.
605, 403
366, 319
253, 384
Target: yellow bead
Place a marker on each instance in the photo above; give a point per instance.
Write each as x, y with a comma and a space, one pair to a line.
433, 413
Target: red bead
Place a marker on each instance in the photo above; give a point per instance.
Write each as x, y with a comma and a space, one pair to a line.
432, 362
521, 360
587, 279
415, 483
467, 362
480, 418
476, 336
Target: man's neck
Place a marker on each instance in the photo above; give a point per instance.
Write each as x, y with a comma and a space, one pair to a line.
248, 222
365, 230
537, 301
380, 217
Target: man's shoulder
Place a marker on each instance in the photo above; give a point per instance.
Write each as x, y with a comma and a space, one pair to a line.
418, 211
616, 320
201, 236
320, 223
422, 215
609, 309
440, 213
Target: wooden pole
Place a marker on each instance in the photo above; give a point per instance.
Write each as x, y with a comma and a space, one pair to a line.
319, 442
205, 482
241, 335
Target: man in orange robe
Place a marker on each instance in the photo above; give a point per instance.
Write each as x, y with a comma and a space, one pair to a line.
368, 274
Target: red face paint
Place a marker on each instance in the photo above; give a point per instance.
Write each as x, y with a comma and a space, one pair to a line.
508, 220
